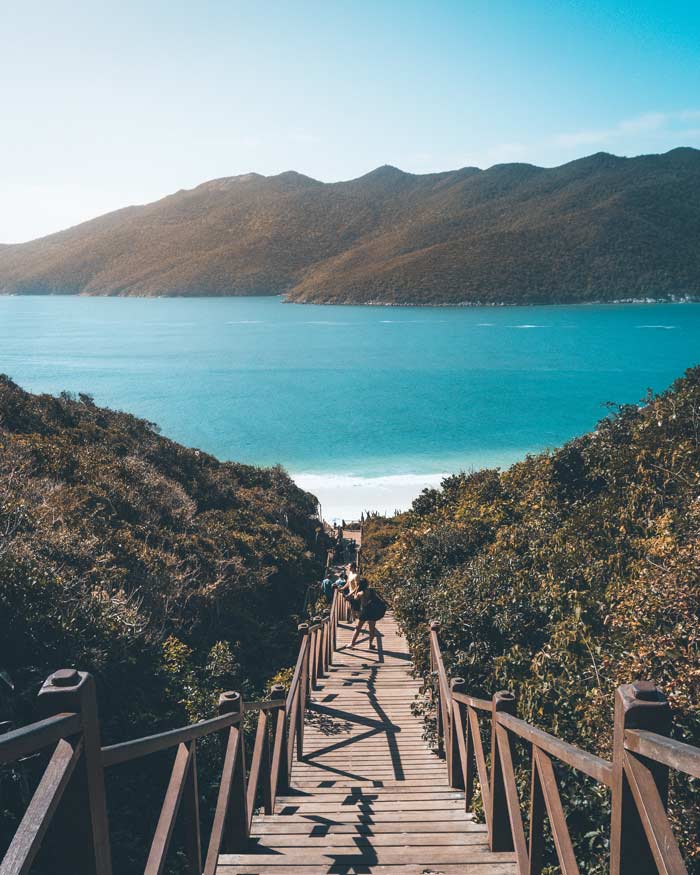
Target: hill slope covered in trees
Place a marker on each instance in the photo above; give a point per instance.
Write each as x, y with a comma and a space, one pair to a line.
167, 574
563, 577
600, 228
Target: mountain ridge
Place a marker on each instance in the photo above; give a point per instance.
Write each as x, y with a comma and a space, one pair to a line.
602, 227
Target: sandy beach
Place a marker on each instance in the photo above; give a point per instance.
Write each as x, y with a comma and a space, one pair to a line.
347, 496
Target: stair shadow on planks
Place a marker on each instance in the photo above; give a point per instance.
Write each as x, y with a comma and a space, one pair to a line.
369, 796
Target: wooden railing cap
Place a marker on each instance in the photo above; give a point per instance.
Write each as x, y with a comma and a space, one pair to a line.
230, 702
643, 705
434, 626
646, 691
277, 691
65, 677
65, 690
504, 700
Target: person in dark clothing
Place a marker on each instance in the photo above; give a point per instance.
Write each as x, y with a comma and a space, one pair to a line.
372, 608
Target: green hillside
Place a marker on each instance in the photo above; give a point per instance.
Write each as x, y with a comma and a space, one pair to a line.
600, 228
167, 574
563, 577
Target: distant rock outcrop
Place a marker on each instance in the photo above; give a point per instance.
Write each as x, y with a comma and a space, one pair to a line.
600, 228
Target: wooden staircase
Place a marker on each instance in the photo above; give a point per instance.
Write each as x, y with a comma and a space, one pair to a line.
366, 794
369, 795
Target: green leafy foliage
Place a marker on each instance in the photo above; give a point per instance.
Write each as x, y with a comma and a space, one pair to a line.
167, 574
563, 577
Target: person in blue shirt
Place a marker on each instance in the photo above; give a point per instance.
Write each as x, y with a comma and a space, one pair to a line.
327, 586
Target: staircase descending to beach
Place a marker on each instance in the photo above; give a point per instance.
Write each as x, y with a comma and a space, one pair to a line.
339, 779
369, 795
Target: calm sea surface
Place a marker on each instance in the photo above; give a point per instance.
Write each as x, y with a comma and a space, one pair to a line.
350, 398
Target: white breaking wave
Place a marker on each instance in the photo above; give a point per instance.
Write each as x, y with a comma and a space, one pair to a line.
346, 496
663, 327
356, 481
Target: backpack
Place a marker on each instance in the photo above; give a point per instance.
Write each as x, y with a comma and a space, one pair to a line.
377, 607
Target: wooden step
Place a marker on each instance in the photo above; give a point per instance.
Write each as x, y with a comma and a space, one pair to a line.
427, 855
321, 840
266, 825
477, 867
353, 815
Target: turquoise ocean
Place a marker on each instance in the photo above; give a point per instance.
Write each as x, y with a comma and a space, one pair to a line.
363, 405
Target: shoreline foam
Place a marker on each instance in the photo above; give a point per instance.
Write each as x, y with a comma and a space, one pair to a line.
346, 496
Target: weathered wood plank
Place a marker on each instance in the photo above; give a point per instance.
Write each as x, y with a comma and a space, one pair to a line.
426, 856
267, 826
485, 866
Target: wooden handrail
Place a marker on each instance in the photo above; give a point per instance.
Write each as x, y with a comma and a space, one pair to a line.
27, 740
675, 754
69, 720
637, 775
590, 764
298, 669
262, 705
126, 751
481, 704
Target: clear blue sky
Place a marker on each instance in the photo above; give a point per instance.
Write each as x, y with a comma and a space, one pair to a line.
107, 104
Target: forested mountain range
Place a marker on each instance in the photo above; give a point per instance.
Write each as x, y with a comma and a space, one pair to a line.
597, 229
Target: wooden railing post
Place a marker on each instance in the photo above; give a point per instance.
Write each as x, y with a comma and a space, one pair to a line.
500, 833
320, 671
311, 660
259, 768
190, 808
334, 621
304, 686
279, 774
457, 768
235, 832
81, 829
321, 649
640, 705
435, 627
326, 642
317, 655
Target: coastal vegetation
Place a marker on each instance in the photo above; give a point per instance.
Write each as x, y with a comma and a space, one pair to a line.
169, 575
600, 228
563, 577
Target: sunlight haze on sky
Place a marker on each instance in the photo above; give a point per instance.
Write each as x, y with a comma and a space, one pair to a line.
109, 104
